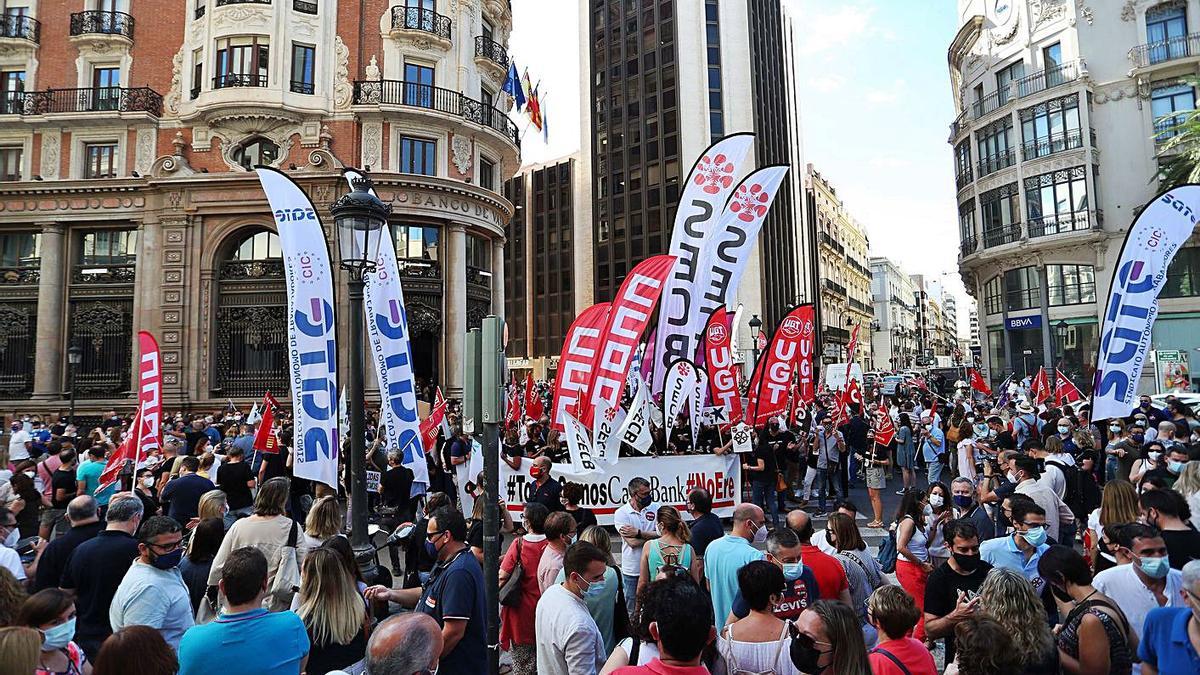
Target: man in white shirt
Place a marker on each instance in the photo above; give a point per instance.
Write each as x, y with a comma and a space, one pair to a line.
568, 640
1145, 583
636, 523
1027, 479
19, 443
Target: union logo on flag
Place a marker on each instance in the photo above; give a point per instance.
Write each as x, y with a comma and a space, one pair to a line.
714, 174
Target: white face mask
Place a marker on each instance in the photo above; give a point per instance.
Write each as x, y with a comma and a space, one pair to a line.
148, 481
13, 537
936, 501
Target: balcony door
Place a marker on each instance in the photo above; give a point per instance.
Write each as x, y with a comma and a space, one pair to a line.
12, 86
106, 88
419, 14
418, 85
1166, 33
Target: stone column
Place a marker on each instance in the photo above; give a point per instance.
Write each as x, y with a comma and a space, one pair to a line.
47, 380
498, 277
454, 324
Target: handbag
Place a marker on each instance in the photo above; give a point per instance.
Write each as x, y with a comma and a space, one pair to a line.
210, 606
510, 592
287, 574
621, 614
781, 484
887, 553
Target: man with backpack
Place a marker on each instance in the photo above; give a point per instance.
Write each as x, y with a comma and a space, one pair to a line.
1061, 476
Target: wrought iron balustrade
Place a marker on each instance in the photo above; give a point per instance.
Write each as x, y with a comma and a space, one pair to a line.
304, 7
88, 99
987, 104
222, 3
422, 19
1004, 234
1000, 160
20, 26
1162, 51
399, 92
226, 80
20, 276
102, 273
419, 268
968, 245
252, 269
94, 22
1048, 78
1059, 223
491, 50
963, 177
1048, 145
478, 276
18, 343
301, 87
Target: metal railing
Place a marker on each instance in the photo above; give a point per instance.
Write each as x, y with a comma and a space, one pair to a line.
1153, 53
963, 178
399, 92
222, 3
104, 23
419, 18
20, 276
1047, 79
1004, 234
987, 104
832, 243
90, 99
491, 50
479, 276
835, 334
994, 163
1059, 223
195, 91
300, 87
419, 268
958, 125
834, 286
104, 274
24, 27
968, 245
1048, 145
239, 80
304, 7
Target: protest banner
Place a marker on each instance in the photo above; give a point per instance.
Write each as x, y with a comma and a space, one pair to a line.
671, 478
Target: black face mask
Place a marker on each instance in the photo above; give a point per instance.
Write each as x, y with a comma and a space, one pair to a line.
967, 563
804, 654
1059, 593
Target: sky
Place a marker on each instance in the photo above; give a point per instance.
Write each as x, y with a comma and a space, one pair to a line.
876, 108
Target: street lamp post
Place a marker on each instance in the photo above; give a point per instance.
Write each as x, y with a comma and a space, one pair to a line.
74, 358
359, 217
755, 327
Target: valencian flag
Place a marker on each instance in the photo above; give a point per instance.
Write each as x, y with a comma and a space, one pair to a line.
1041, 387
533, 402
1066, 391
978, 383
512, 86
264, 436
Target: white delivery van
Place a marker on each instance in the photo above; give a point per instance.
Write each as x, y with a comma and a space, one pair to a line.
835, 375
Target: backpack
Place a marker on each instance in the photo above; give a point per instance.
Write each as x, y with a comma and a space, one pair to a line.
1072, 495
887, 552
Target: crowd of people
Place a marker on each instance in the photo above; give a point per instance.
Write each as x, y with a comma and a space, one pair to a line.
1026, 540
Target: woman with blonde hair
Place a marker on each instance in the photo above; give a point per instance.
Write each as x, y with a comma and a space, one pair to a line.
670, 553
213, 504
1008, 597
268, 530
333, 614
1188, 485
21, 647
324, 521
1118, 506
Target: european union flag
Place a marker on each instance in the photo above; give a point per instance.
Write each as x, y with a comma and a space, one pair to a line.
512, 86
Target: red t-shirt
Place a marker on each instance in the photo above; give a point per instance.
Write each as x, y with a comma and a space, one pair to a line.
518, 624
657, 667
831, 578
912, 653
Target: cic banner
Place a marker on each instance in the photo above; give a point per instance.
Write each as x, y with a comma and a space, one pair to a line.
772, 379
312, 338
708, 186
1150, 245
722, 381
575, 363
627, 318
391, 353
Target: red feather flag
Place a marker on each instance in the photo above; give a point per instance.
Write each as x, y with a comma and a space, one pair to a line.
885, 429
429, 426
1066, 391
978, 383
264, 437
1041, 387
533, 402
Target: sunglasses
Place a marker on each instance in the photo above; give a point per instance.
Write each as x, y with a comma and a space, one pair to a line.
434, 535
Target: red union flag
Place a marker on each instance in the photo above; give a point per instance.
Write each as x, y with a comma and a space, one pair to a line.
264, 438
1041, 387
768, 391
722, 382
885, 429
1066, 391
429, 426
533, 402
978, 383
577, 360
149, 393
631, 311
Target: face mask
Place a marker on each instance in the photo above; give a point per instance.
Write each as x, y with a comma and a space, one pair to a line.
1138, 438
1059, 593
792, 571
13, 537
1174, 467
981, 431
1155, 568
58, 636
805, 654
968, 563
971, 419
1114, 429
962, 501
590, 590
571, 539
1154, 456
760, 535
431, 550
1063, 431
1035, 536
936, 501
168, 561
148, 481
29, 474
1012, 477
536, 472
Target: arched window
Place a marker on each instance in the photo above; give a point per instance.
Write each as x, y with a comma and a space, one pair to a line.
255, 151
250, 324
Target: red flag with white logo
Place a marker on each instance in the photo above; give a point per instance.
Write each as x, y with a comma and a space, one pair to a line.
772, 379
533, 402
1041, 387
429, 426
885, 429
264, 437
128, 450
575, 363
722, 382
978, 383
1066, 391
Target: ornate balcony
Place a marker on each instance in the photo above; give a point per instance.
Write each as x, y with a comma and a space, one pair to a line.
992, 164
93, 24
1004, 234
1054, 143
417, 268
222, 3
239, 80
491, 55
963, 178
86, 100
98, 274
411, 94
1165, 51
479, 277
1048, 78
1059, 223
421, 24
304, 7
20, 28
20, 276
834, 287
968, 246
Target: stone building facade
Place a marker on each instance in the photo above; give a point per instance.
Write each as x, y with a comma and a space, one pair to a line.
127, 201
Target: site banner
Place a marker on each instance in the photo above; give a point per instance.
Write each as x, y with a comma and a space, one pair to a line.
576, 360
772, 379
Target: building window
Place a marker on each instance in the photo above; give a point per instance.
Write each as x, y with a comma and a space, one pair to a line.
712, 34
109, 247
1022, 289
966, 226
12, 87
1000, 210
304, 60
1168, 106
479, 253
1070, 284
20, 250
255, 151
106, 88
416, 242
995, 147
200, 7
197, 72
10, 163
962, 164
1057, 201
418, 155
100, 160
1004, 79
1183, 274
250, 334
242, 61
487, 174
1166, 32
1051, 127
418, 85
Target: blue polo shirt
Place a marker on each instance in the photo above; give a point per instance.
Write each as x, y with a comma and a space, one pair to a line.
930, 451
1004, 553
257, 642
455, 591
722, 560
1165, 644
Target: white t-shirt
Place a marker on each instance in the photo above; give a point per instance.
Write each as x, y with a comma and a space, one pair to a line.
16, 445
568, 640
644, 520
966, 458
11, 561
820, 539
646, 653
1122, 584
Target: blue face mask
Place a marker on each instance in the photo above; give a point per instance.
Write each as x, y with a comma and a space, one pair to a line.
58, 636
591, 590
1175, 467
962, 501
1155, 568
1035, 536
793, 571
169, 560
